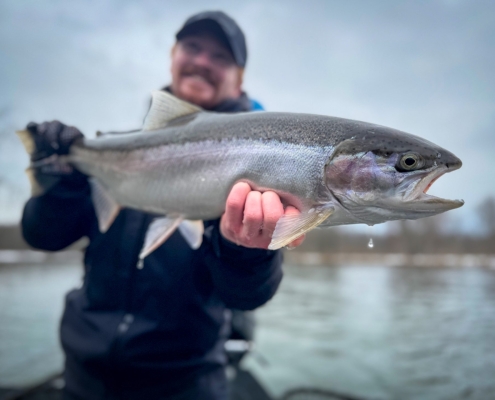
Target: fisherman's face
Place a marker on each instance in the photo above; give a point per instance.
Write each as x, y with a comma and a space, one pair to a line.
204, 72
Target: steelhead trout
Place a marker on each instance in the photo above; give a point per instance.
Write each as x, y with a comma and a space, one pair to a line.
184, 162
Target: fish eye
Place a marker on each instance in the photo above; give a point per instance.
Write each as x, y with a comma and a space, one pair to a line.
410, 162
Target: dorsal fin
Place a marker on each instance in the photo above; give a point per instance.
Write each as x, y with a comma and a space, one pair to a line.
165, 108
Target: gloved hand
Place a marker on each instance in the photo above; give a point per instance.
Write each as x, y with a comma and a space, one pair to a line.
52, 139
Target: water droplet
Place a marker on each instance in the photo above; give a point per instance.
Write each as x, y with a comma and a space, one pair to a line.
311, 211
203, 179
370, 244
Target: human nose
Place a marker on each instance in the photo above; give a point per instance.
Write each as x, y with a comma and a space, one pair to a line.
202, 59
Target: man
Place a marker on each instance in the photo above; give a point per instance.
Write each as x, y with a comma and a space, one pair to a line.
156, 330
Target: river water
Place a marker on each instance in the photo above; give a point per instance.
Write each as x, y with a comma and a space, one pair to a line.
370, 331
381, 332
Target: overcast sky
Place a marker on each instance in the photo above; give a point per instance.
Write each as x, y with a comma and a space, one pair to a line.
427, 68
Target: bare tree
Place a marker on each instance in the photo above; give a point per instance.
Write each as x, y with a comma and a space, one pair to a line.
486, 212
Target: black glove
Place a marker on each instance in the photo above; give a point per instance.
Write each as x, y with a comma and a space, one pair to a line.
52, 139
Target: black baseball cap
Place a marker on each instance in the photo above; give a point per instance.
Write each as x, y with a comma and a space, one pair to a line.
224, 28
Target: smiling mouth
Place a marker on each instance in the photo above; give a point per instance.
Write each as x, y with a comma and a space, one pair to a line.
198, 77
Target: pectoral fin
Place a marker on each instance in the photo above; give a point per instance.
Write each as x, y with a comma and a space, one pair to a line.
290, 227
192, 231
158, 231
106, 207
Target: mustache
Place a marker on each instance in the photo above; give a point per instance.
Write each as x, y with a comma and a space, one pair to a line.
203, 72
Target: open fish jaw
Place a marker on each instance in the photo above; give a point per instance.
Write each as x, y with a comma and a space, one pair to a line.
417, 195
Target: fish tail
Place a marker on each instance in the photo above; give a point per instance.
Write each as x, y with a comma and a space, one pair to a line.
46, 172
27, 139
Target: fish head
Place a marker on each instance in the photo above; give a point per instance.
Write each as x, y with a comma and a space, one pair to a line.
382, 174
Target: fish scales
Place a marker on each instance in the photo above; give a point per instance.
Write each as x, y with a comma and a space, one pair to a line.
194, 178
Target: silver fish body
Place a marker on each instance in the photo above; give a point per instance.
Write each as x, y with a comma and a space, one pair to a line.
189, 169
335, 171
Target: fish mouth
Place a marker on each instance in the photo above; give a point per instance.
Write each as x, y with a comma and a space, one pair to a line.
416, 194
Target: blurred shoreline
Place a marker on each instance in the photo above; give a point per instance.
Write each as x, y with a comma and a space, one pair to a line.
302, 258
9, 257
448, 260
421, 243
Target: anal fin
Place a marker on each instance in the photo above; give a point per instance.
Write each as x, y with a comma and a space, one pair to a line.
158, 231
192, 232
290, 227
106, 207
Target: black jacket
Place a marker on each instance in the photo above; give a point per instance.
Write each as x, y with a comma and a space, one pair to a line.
160, 323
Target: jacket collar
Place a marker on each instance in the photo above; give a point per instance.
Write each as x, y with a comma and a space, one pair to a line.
242, 103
